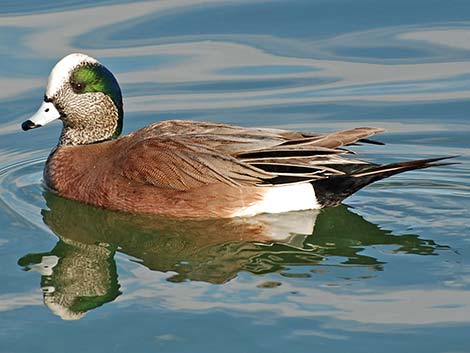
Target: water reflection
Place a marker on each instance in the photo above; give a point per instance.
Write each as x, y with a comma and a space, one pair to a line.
79, 273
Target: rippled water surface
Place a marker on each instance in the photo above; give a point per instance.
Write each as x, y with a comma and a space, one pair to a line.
388, 271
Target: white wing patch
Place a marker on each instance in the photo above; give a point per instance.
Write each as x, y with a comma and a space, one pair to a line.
62, 70
283, 198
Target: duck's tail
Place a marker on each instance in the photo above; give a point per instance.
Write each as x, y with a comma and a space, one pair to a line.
331, 191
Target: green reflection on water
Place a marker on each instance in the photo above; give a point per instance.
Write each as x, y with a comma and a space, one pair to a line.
79, 273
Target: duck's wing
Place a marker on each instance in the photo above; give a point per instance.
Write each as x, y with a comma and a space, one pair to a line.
171, 164
183, 155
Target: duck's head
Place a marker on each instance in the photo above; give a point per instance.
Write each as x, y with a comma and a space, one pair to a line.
86, 97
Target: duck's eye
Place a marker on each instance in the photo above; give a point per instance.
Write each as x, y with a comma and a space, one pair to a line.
77, 87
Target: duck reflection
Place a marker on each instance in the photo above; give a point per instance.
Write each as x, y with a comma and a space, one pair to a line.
79, 273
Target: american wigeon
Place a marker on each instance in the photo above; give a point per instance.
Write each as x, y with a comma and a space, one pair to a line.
188, 168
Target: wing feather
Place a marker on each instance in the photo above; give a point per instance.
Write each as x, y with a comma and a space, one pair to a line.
182, 155
166, 163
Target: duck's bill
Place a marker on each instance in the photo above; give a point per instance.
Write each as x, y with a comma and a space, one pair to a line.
46, 113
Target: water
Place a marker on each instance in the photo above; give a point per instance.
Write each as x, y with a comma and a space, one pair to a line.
388, 271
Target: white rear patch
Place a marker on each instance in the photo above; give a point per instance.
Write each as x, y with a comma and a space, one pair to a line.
62, 70
283, 198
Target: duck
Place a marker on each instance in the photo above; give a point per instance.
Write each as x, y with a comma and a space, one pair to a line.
192, 169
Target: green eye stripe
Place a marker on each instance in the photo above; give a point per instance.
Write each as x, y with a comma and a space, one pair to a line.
95, 78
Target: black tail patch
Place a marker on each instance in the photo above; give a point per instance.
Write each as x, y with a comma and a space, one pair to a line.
334, 189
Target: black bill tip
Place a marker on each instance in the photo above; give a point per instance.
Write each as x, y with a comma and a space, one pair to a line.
28, 125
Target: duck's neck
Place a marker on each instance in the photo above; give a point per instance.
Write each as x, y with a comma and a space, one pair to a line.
73, 136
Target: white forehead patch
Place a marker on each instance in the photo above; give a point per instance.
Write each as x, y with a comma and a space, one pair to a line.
62, 70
